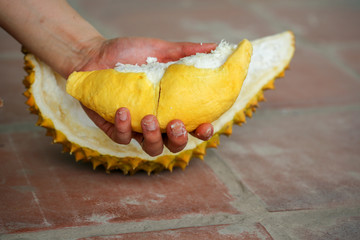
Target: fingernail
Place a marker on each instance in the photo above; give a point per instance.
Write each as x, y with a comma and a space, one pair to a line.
122, 115
208, 133
149, 125
178, 129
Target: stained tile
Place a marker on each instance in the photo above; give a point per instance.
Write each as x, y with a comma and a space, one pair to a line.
54, 191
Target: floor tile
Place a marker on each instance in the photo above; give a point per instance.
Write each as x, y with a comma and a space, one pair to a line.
9, 46
298, 159
51, 190
11, 92
351, 57
177, 21
321, 23
342, 228
312, 80
223, 232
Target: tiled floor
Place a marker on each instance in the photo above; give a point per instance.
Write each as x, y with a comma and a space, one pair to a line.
291, 172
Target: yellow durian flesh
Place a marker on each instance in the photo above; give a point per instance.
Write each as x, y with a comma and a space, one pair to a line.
199, 95
105, 91
65, 120
193, 95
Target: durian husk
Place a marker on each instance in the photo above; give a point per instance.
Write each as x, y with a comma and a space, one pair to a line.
130, 165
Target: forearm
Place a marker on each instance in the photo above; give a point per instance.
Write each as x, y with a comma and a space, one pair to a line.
51, 30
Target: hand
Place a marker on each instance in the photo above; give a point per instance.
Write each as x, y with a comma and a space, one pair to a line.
106, 54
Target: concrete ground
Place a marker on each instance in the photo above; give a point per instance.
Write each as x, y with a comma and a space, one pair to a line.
291, 172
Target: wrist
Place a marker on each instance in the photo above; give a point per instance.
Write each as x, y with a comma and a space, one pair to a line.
81, 53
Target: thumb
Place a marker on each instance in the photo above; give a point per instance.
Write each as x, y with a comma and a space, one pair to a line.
193, 48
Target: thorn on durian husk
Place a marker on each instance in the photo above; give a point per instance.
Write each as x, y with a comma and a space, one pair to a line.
269, 85
240, 118
200, 151
227, 129
96, 163
261, 97
165, 160
59, 137
74, 147
30, 101
185, 156
282, 74
249, 112
181, 164
79, 155
214, 141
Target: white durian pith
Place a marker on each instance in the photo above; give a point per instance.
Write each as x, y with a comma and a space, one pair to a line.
65, 119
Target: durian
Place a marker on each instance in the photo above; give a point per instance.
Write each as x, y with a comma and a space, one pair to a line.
179, 90
64, 119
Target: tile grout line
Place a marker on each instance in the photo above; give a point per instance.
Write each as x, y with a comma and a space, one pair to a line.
255, 208
129, 227
257, 212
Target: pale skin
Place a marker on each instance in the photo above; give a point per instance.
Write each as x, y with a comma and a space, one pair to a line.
60, 37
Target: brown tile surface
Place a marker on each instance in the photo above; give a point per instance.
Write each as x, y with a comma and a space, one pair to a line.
50, 190
8, 44
14, 108
319, 22
351, 57
302, 159
312, 80
178, 21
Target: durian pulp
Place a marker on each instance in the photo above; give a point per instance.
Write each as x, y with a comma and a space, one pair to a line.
271, 55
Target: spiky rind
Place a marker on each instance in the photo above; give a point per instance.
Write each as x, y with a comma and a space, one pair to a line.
130, 165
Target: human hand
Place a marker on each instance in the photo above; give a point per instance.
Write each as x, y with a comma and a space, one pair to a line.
105, 54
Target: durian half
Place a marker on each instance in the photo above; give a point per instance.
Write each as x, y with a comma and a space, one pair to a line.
175, 90
65, 120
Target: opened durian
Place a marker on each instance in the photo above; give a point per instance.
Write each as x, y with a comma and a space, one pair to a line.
64, 119
175, 90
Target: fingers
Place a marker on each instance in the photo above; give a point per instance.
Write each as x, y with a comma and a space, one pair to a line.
177, 136
152, 143
151, 139
193, 48
176, 50
204, 131
123, 132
